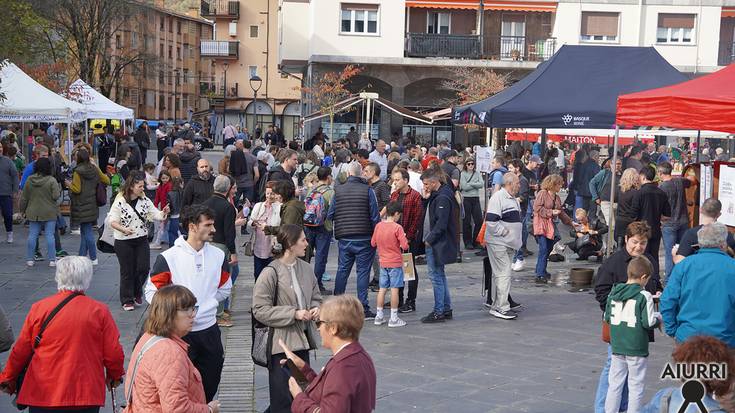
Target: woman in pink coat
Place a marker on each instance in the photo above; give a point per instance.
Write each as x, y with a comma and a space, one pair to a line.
163, 379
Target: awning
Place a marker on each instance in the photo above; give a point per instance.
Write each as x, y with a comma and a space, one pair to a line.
532, 6
386, 104
728, 12
339, 107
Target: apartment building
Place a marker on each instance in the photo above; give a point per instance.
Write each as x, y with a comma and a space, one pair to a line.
407, 48
245, 49
164, 85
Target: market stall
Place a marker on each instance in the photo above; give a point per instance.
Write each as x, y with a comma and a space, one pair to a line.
97, 105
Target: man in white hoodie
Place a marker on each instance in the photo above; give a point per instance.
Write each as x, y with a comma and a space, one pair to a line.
197, 265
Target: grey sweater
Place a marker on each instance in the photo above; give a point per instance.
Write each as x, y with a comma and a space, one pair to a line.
8, 177
469, 184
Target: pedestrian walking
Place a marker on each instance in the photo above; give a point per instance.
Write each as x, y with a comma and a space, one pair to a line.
651, 205
8, 191
600, 189
189, 159
129, 215
547, 210
77, 356
411, 218
160, 201
348, 381
354, 213
317, 227
200, 187
390, 241
264, 214
174, 201
161, 377
439, 235
39, 203
523, 196
84, 207
470, 183
202, 268
142, 138
371, 172
244, 169
286, 297
630, 184
673, 229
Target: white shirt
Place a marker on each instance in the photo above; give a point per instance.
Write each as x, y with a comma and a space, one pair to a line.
560, 158
414, 181
382, 161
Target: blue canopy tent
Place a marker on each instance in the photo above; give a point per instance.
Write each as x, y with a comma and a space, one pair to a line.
577, 88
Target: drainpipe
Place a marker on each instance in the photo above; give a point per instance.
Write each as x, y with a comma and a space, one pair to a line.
481, 27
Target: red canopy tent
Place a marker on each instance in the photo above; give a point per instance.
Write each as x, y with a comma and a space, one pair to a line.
704, 103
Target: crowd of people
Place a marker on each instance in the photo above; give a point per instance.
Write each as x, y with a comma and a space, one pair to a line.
387, 206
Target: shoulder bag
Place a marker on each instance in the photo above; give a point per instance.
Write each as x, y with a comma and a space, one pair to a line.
147, 346
262, 334
36, 342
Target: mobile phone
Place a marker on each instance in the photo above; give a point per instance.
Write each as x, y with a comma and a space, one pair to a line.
292, 371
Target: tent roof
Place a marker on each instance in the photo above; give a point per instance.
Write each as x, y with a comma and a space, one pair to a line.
98, 105
577, 88
28, 101
707, 102
386, 104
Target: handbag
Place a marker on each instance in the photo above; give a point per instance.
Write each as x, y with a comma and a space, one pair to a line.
248, 245
36, 342
262, 334
605, 331
106, 239
101, 194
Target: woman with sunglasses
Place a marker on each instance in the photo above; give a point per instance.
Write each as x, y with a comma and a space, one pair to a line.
286, 297
160, 375
470, 183
347, 382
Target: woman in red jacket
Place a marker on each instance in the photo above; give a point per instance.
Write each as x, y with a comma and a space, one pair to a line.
78, 355
347, 382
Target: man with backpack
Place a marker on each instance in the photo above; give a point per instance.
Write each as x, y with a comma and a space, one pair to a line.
317, 227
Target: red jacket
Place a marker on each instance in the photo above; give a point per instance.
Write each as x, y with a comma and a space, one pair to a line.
345, 385
160, 201
68, 367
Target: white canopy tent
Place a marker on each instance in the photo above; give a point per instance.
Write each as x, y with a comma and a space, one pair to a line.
28, 101
97, 105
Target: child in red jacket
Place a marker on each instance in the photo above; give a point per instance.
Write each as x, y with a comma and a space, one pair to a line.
160, 201
390, 239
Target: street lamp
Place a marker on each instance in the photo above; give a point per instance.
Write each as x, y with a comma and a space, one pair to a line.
225, 66
176, 81
255, 83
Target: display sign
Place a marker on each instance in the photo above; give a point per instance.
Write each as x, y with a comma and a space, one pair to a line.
483, 156
705, 182
726, 194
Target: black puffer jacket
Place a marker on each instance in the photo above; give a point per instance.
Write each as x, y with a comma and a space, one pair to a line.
188, 167
198, 190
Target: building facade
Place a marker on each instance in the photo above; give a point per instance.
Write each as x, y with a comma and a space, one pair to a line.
408, 48
165, 83
245, 45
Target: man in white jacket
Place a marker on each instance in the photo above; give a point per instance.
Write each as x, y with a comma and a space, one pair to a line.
503, 238
195, 264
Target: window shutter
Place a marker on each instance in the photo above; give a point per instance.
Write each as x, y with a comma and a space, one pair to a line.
599, 23
676, 20
358, 6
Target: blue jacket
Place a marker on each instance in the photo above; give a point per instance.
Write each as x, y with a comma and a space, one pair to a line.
700, 296
442, 235
27, 172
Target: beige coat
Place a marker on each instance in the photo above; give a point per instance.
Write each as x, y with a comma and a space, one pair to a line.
298, 335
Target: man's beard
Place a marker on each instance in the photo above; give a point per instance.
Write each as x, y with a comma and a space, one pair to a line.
204, 175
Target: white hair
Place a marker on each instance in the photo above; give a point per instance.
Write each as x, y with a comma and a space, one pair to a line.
222, 184
354, 169
712, 236
73, 273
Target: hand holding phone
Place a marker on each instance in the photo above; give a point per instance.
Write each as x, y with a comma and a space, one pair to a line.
291, 370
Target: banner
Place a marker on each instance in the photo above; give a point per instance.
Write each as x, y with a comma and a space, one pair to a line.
577, 139
726, 194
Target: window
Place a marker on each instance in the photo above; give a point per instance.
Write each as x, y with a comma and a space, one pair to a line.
254, 32
438, 23
170, 52
163, 22
186, 78
150, 98
599, 26
134, 40
253, 70
359, 18
118, 41
178, 52
160, 53
170, 25
160, 77
161, 102
675, 28
178, 27
134, 98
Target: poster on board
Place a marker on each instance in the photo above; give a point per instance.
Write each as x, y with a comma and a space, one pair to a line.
705, 183
483, 156
726, 194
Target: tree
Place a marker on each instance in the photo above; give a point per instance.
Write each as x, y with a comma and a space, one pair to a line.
473, 85
94, 33
23, 32
329, 89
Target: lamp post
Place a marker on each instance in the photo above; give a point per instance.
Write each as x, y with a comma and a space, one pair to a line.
176, 81
225, 66
255, 83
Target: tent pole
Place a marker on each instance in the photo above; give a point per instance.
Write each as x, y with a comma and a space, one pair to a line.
86, 130
543, 142
367, 119
699, 149
610, 225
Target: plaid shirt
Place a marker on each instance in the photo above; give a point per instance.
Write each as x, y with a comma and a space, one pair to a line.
413, 212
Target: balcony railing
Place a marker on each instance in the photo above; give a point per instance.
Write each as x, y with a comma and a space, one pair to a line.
220, 8
519, 48
216, 90
727, 53
442, 45
222, 49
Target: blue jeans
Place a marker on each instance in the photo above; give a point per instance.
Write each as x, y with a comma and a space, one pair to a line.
524, 234
604, 384
243, 193
545, 246
319, 239
87, 243
259, 264
672, 234
173, 231
360, 253
442, 302
234, 272
34, 231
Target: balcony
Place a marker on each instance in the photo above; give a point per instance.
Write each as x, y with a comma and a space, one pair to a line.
220, 49
727, 53
519, 48
442, 45
215, 90
220, 8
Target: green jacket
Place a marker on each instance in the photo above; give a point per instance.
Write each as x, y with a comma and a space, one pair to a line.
470, 183
40, 196
629, 311
83, 190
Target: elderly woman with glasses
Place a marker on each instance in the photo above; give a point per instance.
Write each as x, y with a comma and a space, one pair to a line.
79, 352
347, 382
161, 377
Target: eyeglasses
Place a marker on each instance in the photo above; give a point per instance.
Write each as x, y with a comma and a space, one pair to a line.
191, 311
470, 164
320, 322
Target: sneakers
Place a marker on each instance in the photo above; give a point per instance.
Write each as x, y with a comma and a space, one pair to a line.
503, 315
52, 263
95, 261
76, 231
518, 265
432, 317
61, 253
448, 314
526, 252
515, 306
407, 308
30, 263
326, 277
155, 246
128, 307
396, 323
542, 280
223, 322
369, 315
379, 320
138, 302
38, 257
323, 291
9, 239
